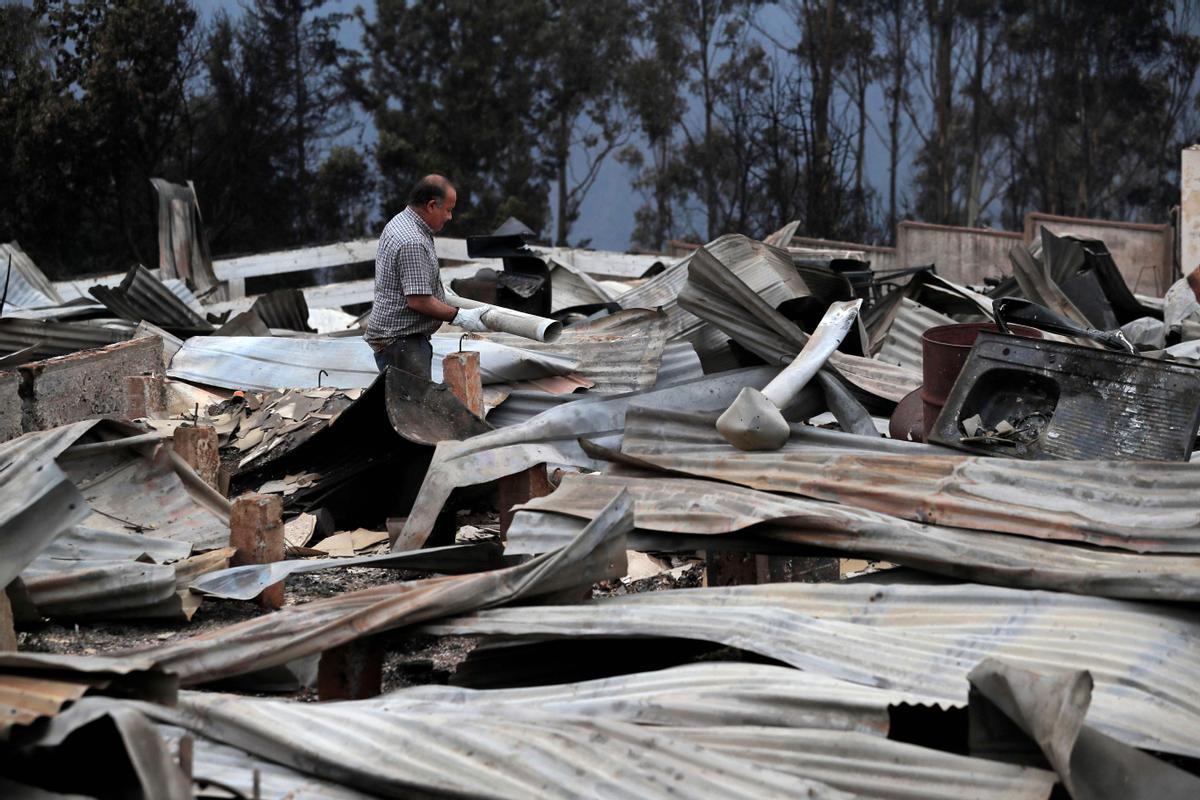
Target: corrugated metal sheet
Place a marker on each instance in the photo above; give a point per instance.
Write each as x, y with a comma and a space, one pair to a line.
283, 308
728, 730
90, 544
76, 589
618, 353
680, 364
552, 438
130, 492
182, 245
49, 339
606, 263
705, 694
700, 508
37, 499
93, 573
520, 755
867, 766
36, 685
24, 699
26, 285
1145, 658
243, 772
902, 344
264, 364
736, 309
303, 630
768, 271
142, 296
1140, 506
570, 287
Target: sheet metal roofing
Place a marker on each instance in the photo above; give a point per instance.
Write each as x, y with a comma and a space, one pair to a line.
1139, 506
1144, 658
694, 510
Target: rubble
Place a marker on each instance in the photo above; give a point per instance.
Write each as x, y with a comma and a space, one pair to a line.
581, 565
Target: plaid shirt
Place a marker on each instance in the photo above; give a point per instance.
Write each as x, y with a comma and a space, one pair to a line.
406, 263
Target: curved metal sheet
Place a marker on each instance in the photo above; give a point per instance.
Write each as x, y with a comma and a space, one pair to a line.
1144, 658
694, 509
37, 500
1139, 506
706, 694
267, 363
302, 630
552, 437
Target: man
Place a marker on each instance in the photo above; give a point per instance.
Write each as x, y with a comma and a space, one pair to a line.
410, 303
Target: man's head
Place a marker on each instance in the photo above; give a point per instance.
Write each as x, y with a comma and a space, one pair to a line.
433, 199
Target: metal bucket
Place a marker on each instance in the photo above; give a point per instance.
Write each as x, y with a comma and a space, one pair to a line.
944, 350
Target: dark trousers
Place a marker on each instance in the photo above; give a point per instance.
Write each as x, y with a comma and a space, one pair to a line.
413, 354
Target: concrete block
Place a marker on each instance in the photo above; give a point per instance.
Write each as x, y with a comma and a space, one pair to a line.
10, 406
198, 446
256, 530
89, 384
513, 490
460, 371
145, 396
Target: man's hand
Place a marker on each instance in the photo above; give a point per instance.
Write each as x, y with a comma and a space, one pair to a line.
471, 319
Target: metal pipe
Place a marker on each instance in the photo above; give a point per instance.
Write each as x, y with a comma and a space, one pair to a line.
754, 420
505, 320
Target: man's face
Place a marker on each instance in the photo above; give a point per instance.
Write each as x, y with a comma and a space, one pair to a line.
438, 215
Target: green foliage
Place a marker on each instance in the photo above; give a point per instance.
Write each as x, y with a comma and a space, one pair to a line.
343, 196
731, 115
95, 122
453, 86
274, 100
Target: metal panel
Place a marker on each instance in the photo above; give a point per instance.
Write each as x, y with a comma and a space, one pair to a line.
77, 589
700, 508
264, 364
518, 755
38, 685
37, 500
1144, 658
767, 270
25, 285
552, 438
867, 766
902, 343
570, 288
303, 630
751, 742
618, 353
705, 694
605, 263
50, 339
679, 365
91, 544
736, 309
248, 581
94, 573
128, 491
1140, 506
245, 773
142, 296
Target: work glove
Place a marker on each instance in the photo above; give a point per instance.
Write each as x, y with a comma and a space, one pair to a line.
471, 319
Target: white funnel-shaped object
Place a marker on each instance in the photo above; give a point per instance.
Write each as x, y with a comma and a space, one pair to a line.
505, 320
754, 420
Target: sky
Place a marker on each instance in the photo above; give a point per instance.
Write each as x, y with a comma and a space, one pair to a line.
607, 214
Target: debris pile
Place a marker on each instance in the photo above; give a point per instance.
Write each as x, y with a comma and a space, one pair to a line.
753, 522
